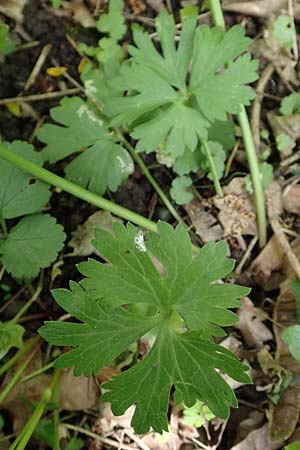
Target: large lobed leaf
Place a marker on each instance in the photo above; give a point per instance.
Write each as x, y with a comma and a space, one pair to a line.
102, 164
184, 308
182, 90
20, 193
32, 245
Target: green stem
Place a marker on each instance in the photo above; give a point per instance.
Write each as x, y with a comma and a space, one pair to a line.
217, 13
76, 190
56, 393
29, 302
150, 178
37, 372
72, 188
5, 391
22, 440
255, 176
218, 19
212, 169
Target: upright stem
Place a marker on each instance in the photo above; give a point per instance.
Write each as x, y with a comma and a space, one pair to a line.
150, 178
212, 169
255, 176
218, 19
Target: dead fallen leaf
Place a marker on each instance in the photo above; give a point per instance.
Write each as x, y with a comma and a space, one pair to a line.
251, 325
257, 440
259, 8
268, 261
291, 199
251, 423
284, 416
169, 440
107, 421
235, 346
236, 214
81, 14
13, 9
137, 6
84, 234
206, 226
31, 390
77, 393
273, 195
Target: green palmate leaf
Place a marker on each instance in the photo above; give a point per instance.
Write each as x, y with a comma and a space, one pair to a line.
10, 336
291, 336
6, 44
290, 104
184, 308
179, 192
178, 105
283, 31
103, 164
32, 245
113, 23
21, 193
293, 446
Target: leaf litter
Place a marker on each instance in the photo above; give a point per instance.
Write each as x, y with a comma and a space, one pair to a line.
213, 218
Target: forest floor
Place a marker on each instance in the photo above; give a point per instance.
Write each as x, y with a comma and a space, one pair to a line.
268, 414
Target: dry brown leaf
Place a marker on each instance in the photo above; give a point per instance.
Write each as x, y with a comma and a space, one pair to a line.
251, 325
259, 8
107, 422
235, 346
13, 9
84, 234
137, 6
206, 226
284, 416
168, 440
236, 214
81, 14
77, 393
257, 440
268, 261
291, 199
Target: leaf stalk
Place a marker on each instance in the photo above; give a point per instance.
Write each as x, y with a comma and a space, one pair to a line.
72, 188
213, 169
218, 18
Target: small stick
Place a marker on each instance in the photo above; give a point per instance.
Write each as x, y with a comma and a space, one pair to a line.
292, 20
282, 239
40, 97
95, 436
246, 255
38, 66
256, 105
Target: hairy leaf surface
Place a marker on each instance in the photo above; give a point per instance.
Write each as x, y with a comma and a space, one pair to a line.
184, 308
